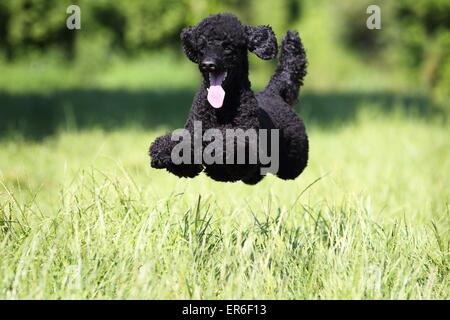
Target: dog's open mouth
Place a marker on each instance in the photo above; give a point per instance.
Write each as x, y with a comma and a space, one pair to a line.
216, 94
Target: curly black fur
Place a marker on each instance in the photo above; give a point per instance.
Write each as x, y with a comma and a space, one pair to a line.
224, 39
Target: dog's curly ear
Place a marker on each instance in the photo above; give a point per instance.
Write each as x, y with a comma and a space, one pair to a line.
188, 45
262, 41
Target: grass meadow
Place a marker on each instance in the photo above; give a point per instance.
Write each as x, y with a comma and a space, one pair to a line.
82, 214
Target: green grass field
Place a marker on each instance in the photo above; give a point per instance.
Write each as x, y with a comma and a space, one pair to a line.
82, 215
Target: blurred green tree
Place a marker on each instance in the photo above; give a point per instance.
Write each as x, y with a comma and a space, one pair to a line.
424, 40
416, 31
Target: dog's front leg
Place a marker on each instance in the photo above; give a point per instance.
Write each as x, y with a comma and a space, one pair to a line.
161, 155
160, 152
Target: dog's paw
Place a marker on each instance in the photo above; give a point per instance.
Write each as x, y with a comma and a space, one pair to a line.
160, 162
160, 153
157, 164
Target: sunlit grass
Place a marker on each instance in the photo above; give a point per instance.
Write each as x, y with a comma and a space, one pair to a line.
83, 216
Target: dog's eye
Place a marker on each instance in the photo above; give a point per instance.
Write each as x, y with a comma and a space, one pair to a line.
201, 45
228, 50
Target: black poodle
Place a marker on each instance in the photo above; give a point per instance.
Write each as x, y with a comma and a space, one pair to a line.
225, 100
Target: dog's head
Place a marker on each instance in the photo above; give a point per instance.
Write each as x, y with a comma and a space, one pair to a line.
219, 46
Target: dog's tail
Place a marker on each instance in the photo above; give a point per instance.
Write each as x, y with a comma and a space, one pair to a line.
291, 69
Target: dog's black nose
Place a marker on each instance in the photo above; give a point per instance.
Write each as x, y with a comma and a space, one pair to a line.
208, 66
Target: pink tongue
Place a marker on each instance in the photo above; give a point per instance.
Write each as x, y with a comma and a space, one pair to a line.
216, 94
